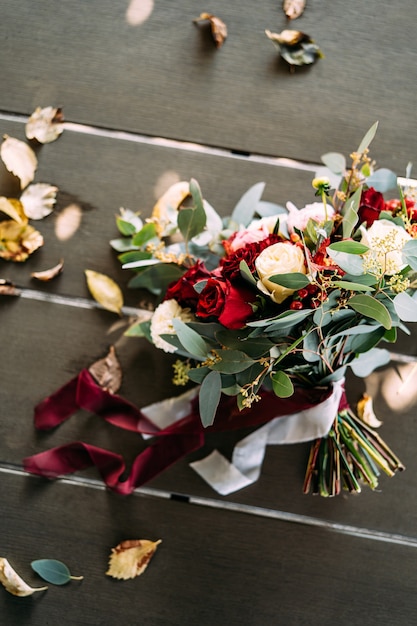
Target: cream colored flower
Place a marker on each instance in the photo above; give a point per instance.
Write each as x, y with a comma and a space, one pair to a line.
386, 241
161, 323
280, 258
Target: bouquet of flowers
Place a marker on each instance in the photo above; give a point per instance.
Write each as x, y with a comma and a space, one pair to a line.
271, 305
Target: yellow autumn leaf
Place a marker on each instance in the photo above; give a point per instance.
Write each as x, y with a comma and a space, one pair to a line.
107, 372
18, 241
365, 411
45, 125
130, 558
14, 209
13, 583
105, 291
293, 8
19, 159
38, 200
165, 211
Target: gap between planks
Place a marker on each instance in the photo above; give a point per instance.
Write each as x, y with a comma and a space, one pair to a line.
234, 507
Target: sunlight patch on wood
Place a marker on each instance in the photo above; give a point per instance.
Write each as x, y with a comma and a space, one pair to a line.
68, 222
139, 11
398, 386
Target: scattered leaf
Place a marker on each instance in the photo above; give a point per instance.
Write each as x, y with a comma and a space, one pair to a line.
47, 275
18, 241
365, 411
12, 581
38, 200
19, 159
53, 571
107, 372
295, 47
14, 209
218, 28
45, 125
105, 291
293, 8
7, 288
130, 558
68, 222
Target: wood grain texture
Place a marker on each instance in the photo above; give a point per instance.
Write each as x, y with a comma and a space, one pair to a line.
165, 77
212, 565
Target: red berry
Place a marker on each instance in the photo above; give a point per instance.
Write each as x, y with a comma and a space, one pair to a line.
302, 293
311, 288
296, 305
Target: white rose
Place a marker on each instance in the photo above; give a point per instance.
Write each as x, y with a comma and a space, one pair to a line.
386, 241
298, 218
280, 258
161, 323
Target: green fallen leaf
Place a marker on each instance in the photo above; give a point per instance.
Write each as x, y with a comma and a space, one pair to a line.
53, 571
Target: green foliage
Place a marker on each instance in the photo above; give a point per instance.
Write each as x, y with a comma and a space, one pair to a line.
209, 397
53, 571
281, 384
245, 209
371, 307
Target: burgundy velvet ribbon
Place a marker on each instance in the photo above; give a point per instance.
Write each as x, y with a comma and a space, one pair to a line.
170, 444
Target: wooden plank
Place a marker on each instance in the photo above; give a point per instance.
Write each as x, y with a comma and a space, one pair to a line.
165, 78
101, 174
51, 343
212, 565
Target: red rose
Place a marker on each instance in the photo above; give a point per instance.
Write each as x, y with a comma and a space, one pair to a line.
230, 264
229, 304
396, 205
371, 204
183, 289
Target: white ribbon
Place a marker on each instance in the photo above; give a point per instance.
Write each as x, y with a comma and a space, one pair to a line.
226, 477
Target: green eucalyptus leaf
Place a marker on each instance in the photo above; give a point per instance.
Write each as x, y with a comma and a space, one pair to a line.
246, 208
197, 195
145, 234
350, 213
335, 161
409, 253
123, 244
232, 362
246, 273
132, 256
53, 571
345, 284
367, 362
367, 138
191, 341
366, 341
405, 307
156, 278
295, 280
209, 397
351, 263
191, 222
351, 247
282, 384
139, 329
370, 307
382, 180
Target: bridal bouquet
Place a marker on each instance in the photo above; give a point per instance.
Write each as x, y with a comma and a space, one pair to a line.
271, 305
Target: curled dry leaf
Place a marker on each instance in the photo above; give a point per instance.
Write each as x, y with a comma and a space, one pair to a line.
14, 209
295, 47
19, 159
105, 291
13, 583
365, 410
293, 8
45, 125
49, 274
7, 288
165, 210
18, 241
38, 200
68, 222
218, 28
130, 558
107, 372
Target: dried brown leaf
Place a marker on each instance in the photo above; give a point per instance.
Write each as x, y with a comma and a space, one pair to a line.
38, 200
14, 209
49, 274
293, 8
68, 222
130, 558
7, 288
45, 125
107, 372
13, 583
218, 28
18, 241
19, 159
365, 410
105, 291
